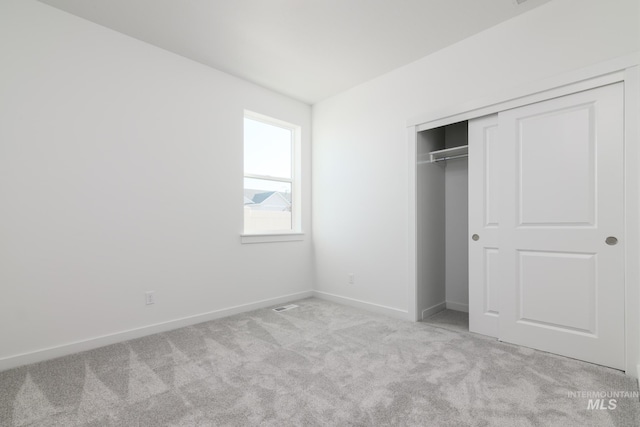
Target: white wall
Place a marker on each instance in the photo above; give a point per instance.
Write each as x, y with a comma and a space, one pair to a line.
457, 235
360, 137
456, 177
431, 236
121, 172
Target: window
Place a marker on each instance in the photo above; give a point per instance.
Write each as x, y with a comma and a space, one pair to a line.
271, 176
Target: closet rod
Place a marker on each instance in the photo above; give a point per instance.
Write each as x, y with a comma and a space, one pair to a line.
441, 159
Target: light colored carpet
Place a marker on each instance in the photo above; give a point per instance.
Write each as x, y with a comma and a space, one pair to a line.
449, 319
321, 364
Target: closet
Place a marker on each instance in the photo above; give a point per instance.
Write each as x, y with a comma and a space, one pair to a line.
537, 233
442, 181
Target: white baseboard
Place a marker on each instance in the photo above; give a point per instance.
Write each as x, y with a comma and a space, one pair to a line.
89, 344
369, 306
456, 306
428, 312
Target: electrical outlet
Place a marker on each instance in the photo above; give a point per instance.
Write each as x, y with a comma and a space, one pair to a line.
352, 278
150, 297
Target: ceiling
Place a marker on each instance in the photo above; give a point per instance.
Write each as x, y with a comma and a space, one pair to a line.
306, 49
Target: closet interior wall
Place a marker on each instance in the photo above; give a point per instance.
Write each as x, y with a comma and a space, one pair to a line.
442, 223
456, 179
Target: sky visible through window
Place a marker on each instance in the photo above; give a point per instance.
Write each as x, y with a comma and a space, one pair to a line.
267, 149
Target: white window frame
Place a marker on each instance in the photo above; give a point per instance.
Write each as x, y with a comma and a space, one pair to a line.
295, 234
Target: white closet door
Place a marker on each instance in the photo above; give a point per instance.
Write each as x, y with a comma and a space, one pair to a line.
484, 196
562, 277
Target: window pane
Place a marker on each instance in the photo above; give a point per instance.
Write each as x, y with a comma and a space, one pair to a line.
267, 149
267, 205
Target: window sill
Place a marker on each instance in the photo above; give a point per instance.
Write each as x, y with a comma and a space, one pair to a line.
271, 238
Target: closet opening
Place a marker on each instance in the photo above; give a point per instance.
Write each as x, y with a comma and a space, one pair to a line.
442, 226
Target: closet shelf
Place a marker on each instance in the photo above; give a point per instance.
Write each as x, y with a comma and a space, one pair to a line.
449, 153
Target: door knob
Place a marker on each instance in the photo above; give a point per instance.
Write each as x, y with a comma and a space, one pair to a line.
475, 237
611, 241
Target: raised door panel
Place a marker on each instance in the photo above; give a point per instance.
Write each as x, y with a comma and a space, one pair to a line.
557, 290
548, 142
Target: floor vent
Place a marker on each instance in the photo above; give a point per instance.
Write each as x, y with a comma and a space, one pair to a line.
285, 307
